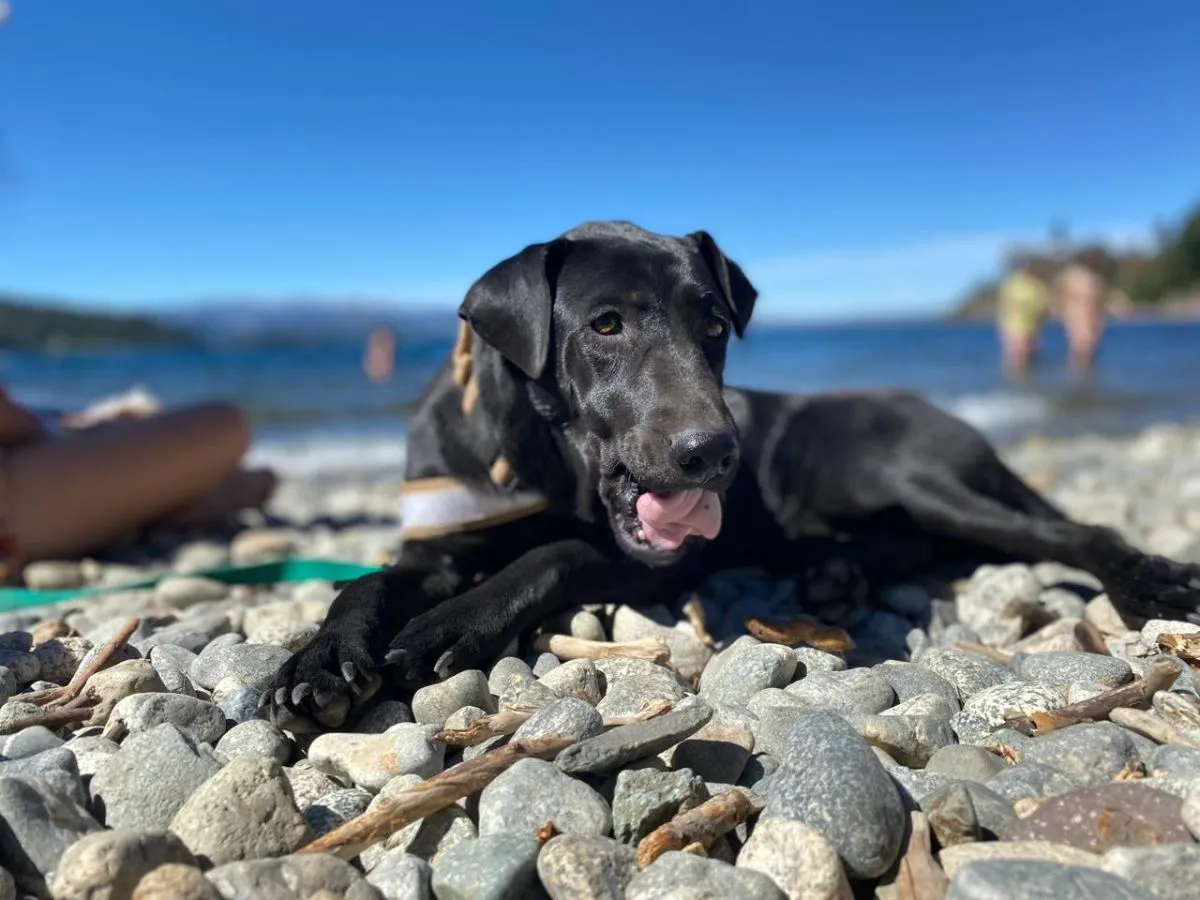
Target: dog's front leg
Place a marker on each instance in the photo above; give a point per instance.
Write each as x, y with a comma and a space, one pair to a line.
470, 630
337, 670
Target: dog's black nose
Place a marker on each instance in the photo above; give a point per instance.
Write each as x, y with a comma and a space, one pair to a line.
703, 455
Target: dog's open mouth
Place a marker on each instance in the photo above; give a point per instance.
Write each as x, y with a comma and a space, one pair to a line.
656, 527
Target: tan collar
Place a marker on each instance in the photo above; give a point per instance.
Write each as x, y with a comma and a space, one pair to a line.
443, 505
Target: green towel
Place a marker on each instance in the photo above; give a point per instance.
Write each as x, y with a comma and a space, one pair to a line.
285, 570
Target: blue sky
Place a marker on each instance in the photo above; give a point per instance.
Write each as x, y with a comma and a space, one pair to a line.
871, 158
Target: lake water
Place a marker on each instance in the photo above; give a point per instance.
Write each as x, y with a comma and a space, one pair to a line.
314, 410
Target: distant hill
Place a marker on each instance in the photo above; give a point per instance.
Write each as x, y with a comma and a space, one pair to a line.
305, 320
1165, 280
29, 323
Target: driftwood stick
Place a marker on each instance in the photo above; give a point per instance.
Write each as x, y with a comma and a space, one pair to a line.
920, 877
52, 719
1151, 726
653, 649
485, 727
701, 825
97, 659
1001, 656
1159, 676
694, 611
1091, 638
804, 630
426, 798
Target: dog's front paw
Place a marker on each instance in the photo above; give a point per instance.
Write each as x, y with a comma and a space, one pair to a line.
318, 687
1158, 588
441, 643
833, 590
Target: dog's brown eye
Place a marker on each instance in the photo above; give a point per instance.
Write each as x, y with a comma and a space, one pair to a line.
714, 327
607, 324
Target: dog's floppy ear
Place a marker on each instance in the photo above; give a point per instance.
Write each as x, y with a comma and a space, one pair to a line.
740, 294
510, 307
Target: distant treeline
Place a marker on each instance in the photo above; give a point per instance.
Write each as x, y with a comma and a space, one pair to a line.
28, 323
1166, 278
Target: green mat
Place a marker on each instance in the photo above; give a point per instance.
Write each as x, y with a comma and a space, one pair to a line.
285, 570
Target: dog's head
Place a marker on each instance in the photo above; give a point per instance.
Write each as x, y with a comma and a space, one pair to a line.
626, 331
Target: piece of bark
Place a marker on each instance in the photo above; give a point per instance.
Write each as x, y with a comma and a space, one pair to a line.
653, 649
702, 825
803, 630
1159, 676
431, 795
694, 611
97, 659
919, 876
1184, 646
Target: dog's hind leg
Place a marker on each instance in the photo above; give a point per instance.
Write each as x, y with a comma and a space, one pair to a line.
1136, 582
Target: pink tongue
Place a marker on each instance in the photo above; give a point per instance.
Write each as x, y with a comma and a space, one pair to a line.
667, 521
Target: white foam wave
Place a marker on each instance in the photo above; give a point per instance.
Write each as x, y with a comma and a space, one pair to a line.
312, 455
999, 411
309, 456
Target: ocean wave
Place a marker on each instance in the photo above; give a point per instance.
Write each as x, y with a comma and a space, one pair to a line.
998, 411
311, 455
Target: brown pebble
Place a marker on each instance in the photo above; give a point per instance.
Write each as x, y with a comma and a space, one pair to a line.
1121, 814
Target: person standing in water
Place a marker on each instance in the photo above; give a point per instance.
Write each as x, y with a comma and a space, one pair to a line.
1023, 304
1081, 307
379, 358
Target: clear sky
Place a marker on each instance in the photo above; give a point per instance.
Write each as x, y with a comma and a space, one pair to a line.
856, 158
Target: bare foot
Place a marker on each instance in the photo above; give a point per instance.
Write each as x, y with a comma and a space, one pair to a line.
245, 489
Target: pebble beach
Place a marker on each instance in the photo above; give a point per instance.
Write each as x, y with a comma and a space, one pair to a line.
1001, 733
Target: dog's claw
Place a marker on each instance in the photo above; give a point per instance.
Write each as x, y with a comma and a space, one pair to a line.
397, 657
299, 692
444, 667
349, 672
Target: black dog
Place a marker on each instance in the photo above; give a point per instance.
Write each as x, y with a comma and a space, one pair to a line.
589, 434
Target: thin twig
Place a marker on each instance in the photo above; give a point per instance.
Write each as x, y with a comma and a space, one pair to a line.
1091, 638
804, 630
652, 709
1159, 676
424, 799
1151, 726
97, 659
701, 825
995, 655
485, 728
652, 649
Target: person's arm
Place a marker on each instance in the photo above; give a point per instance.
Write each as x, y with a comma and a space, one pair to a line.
17, 424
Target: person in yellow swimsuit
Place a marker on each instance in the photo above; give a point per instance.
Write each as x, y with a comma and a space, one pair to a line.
1024, 303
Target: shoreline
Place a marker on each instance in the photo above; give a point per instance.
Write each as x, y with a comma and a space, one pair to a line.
836, 748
